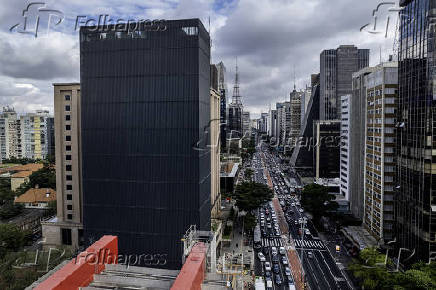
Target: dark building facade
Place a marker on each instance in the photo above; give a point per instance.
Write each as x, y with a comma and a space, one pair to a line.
327, 150
50, 137
336, 69
144, 109
416, 137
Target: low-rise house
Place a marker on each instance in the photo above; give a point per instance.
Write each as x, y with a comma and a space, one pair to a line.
19, 178
36, 197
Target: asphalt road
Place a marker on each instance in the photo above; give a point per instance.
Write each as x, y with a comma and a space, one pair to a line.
319, 266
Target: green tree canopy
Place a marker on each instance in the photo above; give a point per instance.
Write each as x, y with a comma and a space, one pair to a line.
44, 178
248, 173
250, 195
316, 199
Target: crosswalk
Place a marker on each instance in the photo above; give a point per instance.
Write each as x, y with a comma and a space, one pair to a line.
272, 243
310, 244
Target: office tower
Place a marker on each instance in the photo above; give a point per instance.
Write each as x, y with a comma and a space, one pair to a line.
145, 113
381, 97
222, 88
345, 154
336, 68
246, 124
235, 110
295, 116
67, 228
302, 156
273, 123
326, 152
279, 107
215, 149
305, 98
284, 110
356, 154
415, 184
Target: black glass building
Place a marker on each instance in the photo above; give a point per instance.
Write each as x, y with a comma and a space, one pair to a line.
144, 109
416, 137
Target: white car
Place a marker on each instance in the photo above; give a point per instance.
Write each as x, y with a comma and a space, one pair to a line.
282, 251
301, 210
261, 257
284, 260
287, 271
293, 204
273, 251
267, 266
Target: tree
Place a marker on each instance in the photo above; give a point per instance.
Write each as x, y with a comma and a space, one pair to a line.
10, 209
12, 238
249, 223
248, 173
250, 195
44, 178
316, 199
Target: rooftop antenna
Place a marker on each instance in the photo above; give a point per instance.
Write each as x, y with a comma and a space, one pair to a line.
380, 54
294, 78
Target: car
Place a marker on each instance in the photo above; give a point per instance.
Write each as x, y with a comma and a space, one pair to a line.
301, 210
282, 251
278, 280
261, 257
289, 279
276, 268
296, 222
287, 271
285, 260
267, 266
273, 251
268, 225
275, 259
307, 232
293, 204
268, 274
310, 254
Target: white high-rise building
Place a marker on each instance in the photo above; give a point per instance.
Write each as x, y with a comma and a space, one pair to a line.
346, 103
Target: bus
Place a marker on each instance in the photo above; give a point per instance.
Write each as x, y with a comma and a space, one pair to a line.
259, 284
257, 238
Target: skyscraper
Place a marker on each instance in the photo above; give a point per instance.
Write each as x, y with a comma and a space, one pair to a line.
336, 69
416, 157
295, 118
145, 105
222, 88
381, 96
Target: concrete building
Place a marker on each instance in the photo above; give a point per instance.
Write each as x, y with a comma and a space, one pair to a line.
356, 154
215, 150
336, 69
33, 127
345, 154
278, 134
246, 123
67, 227
222, 89
295, 116
26, 136
381, 91
272, 121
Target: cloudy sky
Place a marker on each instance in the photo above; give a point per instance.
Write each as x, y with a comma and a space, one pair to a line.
269, 37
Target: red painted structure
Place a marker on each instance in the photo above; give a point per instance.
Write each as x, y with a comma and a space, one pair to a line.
191, 275
79, 272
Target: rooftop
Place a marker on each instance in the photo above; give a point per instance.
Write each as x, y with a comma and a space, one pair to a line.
21, 174
37, 195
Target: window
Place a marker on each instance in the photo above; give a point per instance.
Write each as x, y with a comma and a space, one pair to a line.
69, 187
68, 138
70, 207
68, 157
67, 108
67, 117
69, 177
66, 236
68, 127
67, 97
69, 197
69, 216
68, 168
68, 148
